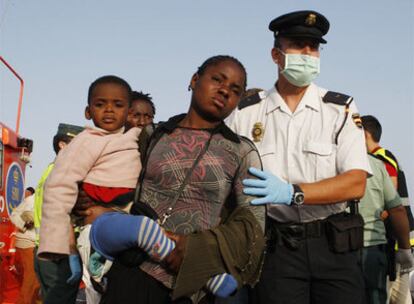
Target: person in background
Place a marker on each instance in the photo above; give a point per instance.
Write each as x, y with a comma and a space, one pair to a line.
399, 287
141, 112
22, 218
381, 195
59, 280
251, 92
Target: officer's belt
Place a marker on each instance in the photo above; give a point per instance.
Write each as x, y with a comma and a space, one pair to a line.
300, 231
291, 235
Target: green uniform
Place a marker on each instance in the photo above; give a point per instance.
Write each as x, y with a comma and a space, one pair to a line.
39, 201
380, 195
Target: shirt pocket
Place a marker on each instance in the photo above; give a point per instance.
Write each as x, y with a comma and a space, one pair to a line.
322, 159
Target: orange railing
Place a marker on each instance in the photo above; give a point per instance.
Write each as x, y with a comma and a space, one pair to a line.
19, 108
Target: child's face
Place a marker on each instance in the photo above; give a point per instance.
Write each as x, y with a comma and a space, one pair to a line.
108, 106
140, 114
217, 91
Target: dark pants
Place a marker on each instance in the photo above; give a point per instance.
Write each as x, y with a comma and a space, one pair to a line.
374, 267
130, 285
52, 277
311, 273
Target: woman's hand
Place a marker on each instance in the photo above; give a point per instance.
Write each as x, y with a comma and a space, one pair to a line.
175, 258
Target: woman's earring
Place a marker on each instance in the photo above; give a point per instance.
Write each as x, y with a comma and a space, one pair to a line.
189, 88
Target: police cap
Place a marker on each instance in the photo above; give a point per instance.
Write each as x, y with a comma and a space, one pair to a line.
68, 130
300, 24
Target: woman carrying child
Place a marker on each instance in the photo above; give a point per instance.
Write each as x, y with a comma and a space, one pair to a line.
207, 241
215, 229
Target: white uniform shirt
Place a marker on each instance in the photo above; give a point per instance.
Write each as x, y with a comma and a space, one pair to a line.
24, 238
300, 147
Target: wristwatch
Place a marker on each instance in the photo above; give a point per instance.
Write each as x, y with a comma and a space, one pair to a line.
298, 197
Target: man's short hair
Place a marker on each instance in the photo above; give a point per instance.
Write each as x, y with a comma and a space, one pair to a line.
372, 126
30, 189
58, 138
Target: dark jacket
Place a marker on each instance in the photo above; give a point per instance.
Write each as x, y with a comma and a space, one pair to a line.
236, 247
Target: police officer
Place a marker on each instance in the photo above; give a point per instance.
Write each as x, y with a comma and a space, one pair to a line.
312, 147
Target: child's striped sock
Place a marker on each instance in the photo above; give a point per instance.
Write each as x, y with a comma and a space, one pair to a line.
222, 285
152, 239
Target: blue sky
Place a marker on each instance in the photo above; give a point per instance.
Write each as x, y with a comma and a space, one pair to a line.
60, 47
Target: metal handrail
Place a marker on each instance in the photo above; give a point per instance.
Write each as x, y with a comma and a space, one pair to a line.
19, 108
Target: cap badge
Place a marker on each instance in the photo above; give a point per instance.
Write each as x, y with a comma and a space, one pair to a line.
257, 132
311, 19
70, 134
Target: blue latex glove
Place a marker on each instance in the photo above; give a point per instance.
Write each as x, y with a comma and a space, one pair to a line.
75, 268
96, 263
269, 188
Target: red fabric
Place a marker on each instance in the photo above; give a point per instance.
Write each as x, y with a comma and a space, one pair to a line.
390, 169
104, 194
10, 281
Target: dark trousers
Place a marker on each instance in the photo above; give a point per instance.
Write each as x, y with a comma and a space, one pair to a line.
374, 267
311, 273
52, 277
130, 285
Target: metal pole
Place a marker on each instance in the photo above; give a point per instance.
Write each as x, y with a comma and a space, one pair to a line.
19, 108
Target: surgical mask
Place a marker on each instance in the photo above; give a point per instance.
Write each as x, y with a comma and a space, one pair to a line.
300, 70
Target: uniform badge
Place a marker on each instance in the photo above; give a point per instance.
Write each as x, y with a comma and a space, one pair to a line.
357, 120
70, 134
311, 19
257, 131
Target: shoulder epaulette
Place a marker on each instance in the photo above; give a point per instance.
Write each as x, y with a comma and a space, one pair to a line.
249, 101
342, 100
337, 98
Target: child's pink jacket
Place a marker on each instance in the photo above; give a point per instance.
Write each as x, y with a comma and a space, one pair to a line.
94, 156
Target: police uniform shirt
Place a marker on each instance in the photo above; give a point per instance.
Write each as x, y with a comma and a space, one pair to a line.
301, 147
